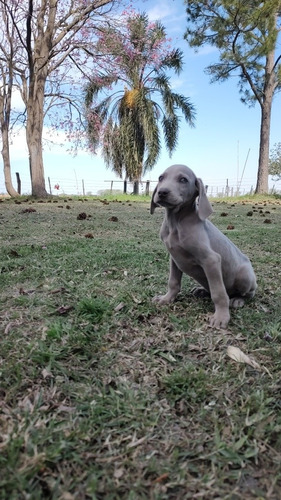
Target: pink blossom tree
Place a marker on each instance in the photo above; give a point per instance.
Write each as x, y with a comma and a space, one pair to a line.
131, 96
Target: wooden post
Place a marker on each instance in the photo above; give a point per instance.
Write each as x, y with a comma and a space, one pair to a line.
111, 187
136, 187
50, 188
147, 188
83, 187
18, 182
125, 187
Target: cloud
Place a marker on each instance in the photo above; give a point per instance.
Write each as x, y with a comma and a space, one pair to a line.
176, 83
160, 11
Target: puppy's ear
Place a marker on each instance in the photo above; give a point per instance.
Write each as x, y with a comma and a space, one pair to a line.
153, 205
204, 206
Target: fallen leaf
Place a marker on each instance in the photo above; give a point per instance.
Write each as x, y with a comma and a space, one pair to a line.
161, 478
166, 355
118, 473
119, 307
46, 373
67, 496
59, 290
136, 442
66, 409
64, 309
239, 356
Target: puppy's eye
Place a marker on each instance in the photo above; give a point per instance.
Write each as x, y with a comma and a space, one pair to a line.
184, 180
161, 178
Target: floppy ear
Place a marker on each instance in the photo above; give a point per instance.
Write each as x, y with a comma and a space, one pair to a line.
152, 204
204, 206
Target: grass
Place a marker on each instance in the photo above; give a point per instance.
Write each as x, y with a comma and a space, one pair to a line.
105, 395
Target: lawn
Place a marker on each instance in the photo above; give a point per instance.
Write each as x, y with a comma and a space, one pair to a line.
105, 395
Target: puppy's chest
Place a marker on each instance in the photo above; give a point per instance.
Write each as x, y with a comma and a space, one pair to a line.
178, 246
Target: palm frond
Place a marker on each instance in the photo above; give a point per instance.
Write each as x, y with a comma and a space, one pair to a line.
173, 60
112, 150
96, 85
170, 128
148, 117
161, 82
183, 104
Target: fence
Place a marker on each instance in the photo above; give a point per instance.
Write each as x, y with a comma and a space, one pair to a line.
84, 187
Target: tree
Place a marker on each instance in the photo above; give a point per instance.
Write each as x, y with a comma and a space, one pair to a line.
125, 122
8, 48
47, 35
275, 161
246, 35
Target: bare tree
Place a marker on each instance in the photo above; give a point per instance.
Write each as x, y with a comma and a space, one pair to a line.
7, 60
48, 34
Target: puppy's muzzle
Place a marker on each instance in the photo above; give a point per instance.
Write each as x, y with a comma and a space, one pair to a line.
162, 194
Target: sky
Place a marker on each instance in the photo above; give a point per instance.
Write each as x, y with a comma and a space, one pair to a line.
223, 145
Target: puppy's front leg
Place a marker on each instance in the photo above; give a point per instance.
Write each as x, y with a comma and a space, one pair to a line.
219, 296
174, 285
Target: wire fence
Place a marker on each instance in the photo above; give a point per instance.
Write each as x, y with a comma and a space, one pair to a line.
216, 188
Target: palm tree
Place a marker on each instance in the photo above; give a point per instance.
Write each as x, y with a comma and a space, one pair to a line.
136, 96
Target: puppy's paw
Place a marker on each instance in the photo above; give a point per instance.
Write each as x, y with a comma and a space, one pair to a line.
236, 302
162, 299
220, 319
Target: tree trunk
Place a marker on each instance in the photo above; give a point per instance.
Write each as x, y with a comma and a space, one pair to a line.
136, 189
262, 178
34, 132
266, 107
6, 162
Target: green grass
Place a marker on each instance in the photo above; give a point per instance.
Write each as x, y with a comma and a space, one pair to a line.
105, 395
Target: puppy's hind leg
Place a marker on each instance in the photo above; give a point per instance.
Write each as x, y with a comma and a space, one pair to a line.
245, 285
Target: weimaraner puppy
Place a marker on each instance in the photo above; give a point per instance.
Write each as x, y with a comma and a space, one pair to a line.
198, 248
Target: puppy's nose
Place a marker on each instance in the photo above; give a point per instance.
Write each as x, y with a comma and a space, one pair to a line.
162, 193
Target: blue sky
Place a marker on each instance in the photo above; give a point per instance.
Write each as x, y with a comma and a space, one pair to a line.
224, 141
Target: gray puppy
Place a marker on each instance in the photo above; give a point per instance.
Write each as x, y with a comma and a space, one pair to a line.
197, 248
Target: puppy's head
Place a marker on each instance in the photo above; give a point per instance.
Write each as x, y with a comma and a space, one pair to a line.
178, 186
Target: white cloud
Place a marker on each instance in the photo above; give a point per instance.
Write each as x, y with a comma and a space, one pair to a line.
160, 11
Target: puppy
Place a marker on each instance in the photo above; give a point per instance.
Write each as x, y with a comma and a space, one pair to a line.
197, 248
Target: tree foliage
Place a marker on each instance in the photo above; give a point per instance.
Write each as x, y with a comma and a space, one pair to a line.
246, 36
275, 161
126, 102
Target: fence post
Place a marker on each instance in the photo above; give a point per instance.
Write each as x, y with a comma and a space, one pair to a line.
227, 188
125, 187
18, 182
147, 188
136, 187
49, 181
111, 187
83, 187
